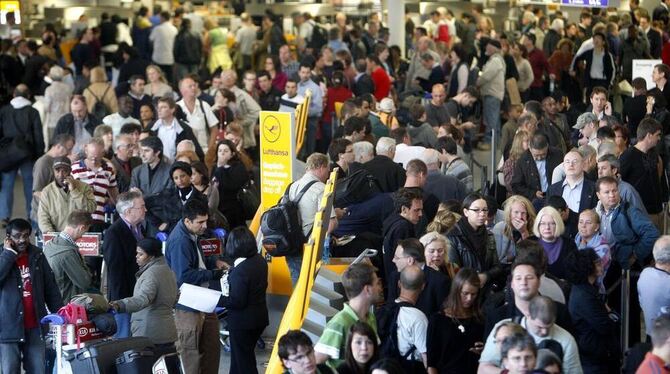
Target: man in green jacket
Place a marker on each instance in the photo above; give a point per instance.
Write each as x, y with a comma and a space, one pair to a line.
72, 275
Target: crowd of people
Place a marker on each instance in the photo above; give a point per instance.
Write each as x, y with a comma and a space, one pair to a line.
151, 131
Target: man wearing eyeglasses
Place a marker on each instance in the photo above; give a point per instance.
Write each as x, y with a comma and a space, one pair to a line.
124, 162
297, 354
28, 288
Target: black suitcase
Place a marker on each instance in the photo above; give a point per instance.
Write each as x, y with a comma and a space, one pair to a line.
136, 361
100, 357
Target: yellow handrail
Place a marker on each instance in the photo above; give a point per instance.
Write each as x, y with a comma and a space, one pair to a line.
298, 304
301, 114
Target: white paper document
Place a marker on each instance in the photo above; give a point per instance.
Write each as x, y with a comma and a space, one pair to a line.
198, 298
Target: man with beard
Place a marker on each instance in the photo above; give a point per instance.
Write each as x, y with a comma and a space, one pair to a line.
63, 196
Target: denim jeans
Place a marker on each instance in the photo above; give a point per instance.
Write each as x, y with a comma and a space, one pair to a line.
122, 325
30, 353
491, 116
7, 188
294, 264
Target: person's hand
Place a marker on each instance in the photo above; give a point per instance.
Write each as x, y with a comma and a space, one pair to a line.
468, 125
539, 194
650, 104
477, 348
572, 73
115, 305
69, 182
220, 264
608, 108
162, 227
340, 212
482, 278
9, 243
519, 224
552, 76
583, 140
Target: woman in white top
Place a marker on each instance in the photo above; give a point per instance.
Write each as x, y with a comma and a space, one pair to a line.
526, 76
156, 84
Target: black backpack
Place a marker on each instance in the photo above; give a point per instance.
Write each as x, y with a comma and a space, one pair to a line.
319, 38
387, 329
282, 227
100, 110
355, 188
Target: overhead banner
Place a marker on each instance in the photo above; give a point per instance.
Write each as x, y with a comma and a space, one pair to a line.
277, 153
644, 69
586, 3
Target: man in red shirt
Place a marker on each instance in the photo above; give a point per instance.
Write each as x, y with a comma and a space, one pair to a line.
379, 77
28, 287
657, 361
539, 64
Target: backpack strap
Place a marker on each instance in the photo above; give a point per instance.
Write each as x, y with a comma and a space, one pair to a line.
302, 192
393, 327
94, 96
105, 93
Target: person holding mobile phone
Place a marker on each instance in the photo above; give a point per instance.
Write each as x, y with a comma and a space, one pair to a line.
27, 289
455, 334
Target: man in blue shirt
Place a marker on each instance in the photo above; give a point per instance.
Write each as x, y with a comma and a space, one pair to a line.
315, 106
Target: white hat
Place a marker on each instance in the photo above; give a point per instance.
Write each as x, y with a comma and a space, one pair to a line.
386, 105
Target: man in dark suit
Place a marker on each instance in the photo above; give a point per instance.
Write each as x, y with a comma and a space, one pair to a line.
363, 83
436, 288
119, 249
577, 191
153, 176
661, 13
124, 162
389, 174
532, 172
654, 37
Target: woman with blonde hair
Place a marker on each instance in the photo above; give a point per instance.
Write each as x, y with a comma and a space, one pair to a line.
100, 90
436, 248
519, 216
560, 251
157, 85
519, 146
443, 222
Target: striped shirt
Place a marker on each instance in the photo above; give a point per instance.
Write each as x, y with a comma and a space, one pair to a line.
334, 337
100, 180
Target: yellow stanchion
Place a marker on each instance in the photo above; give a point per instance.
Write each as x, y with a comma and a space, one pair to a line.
301, 114
298, 304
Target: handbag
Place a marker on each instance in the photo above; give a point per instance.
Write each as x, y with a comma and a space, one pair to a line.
249, 197
13, 152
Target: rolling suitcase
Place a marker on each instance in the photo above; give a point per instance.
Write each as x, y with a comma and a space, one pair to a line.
136, 361
100, 357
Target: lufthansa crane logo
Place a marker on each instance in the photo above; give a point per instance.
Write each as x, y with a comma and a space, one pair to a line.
271, 129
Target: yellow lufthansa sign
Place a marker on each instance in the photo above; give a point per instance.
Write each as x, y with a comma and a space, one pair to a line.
276, 155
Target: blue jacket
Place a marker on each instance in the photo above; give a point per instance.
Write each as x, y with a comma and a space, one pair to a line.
633, 233
45, 292
182, 257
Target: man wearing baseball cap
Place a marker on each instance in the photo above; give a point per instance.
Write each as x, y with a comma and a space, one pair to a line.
491, 84
63, 196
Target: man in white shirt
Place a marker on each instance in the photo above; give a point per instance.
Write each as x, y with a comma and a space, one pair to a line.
404, 152
162, 37
171, 131
290, 100
198, 113
412, 323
